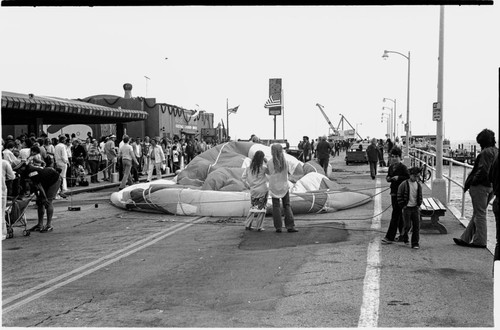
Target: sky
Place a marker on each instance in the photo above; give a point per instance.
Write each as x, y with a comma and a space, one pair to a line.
206, 58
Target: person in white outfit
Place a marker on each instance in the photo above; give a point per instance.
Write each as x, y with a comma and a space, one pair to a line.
156, 157
62, 160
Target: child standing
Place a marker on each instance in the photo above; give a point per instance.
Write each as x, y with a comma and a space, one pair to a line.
398, 172
278, 187
255, 177
410, 199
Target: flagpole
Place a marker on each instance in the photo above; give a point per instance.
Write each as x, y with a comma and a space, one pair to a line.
227, 118
283, 109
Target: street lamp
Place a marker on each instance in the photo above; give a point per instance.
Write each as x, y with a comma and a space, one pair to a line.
394, 116
391, 115
407, 125
388, 116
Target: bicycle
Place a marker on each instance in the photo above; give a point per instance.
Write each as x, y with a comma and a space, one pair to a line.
425, 174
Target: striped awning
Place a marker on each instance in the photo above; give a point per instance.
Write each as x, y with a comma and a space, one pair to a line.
17, 108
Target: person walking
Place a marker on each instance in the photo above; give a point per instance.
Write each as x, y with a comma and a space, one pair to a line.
398, 172
156, 158
128, 159
372, 153
62, 160
410, 199
255, 178
323, 149
481, 192
306, 149
380, 148
278, 189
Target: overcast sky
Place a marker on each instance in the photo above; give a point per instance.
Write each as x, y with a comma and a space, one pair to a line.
330, 55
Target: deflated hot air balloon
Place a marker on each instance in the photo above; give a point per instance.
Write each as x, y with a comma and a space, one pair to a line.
211, 185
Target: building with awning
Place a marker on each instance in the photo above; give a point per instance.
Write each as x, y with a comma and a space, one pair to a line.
19, 109
101, 115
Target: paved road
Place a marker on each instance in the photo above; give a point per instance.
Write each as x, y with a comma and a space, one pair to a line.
106, 267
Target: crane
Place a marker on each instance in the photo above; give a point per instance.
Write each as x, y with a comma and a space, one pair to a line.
335, 131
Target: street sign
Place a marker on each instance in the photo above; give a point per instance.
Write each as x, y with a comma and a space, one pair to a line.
275, 111
436, 111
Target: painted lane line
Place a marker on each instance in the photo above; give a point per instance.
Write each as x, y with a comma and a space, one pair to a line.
145, 243
368, 317
79, 269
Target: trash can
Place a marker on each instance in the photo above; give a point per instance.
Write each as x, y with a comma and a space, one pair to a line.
114, 177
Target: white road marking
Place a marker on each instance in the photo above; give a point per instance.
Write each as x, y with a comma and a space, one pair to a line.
79, 272
368, 317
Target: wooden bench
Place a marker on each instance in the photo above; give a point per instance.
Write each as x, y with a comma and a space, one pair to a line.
432, 208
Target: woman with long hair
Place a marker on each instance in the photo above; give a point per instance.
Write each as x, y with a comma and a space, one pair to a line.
255, 177
278, 188
481, 192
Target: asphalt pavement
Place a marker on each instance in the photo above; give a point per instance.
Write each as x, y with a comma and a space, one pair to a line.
108, 267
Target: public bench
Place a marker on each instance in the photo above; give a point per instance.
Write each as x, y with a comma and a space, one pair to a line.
432, 208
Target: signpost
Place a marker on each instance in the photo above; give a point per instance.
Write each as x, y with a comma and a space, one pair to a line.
436, 111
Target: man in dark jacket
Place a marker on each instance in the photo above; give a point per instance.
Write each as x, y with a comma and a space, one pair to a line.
372, 153
398, 172
323, 150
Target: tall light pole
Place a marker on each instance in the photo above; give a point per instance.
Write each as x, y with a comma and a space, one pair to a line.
406, 160
386, 115
391, 116
394, 116
439, 184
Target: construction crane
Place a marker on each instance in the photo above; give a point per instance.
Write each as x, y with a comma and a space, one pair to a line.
335, 131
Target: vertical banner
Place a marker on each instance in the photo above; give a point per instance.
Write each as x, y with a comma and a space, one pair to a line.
274, 102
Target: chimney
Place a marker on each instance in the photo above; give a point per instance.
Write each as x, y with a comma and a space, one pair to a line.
128, 90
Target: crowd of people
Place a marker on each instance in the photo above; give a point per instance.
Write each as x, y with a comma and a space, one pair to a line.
47, 167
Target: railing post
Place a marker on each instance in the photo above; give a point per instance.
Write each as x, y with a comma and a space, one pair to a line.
463, 193
450, 164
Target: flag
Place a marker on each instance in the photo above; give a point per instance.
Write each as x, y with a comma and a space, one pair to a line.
233, 110
272, 102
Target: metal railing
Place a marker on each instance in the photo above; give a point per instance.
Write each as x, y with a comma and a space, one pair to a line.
420, 157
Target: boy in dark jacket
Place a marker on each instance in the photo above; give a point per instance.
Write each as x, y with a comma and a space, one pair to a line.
410, 199
398, 172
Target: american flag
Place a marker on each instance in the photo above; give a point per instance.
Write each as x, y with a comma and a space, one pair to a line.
273, 102
233, 110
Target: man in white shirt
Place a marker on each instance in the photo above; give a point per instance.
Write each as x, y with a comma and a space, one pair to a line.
156, 158
128, 158
62, 160
9, 156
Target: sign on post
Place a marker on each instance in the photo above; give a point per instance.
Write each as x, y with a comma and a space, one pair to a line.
436, 111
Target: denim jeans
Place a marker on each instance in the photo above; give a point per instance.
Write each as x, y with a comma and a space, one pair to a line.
373, 169
289, 221
127, 177
411, 216
476, 231
396, 220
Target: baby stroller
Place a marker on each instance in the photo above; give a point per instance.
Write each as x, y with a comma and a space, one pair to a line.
15, 215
